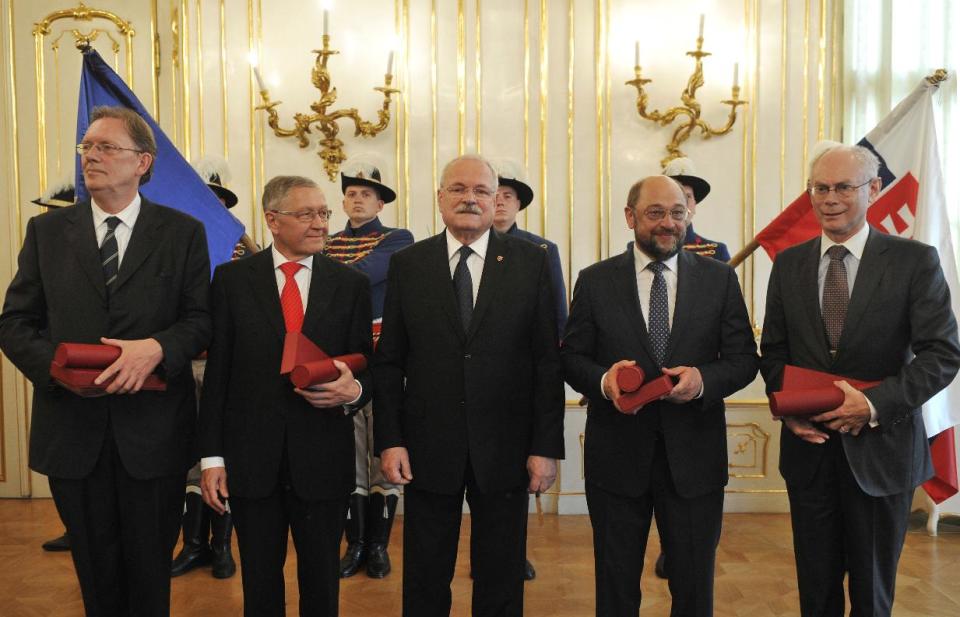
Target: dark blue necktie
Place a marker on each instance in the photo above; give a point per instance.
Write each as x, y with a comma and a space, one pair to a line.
659, 326
463, 284
110, 253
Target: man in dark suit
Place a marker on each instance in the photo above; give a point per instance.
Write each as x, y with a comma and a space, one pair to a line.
469, 395
120, 270
851, 471
673, 312
288, 453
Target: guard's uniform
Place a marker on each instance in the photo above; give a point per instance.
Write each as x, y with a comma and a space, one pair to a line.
696, 243
556, 272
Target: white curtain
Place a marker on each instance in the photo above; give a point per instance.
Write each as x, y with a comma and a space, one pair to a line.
889, 46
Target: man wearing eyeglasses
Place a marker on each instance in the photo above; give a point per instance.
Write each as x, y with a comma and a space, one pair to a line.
283, 456
666, 311
857, 303
469, 396
121, 270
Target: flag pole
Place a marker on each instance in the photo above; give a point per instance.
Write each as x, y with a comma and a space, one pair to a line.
745, 252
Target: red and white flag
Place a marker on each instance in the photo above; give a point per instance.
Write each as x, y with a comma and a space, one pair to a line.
911, 204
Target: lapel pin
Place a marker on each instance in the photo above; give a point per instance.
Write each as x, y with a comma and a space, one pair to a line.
499, 257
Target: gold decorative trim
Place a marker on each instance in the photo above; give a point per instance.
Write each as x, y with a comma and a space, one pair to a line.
608, 165
599, 35
174, 67
255, 218
406, 114
38, 35
397, 136
544, 110
223, 79
261, 128
526, 95
783, 101
821, 68
756, 491
200, 121
806, 88
754, 121
836, 53
752, 436
461, 80
185, 76
434, 47
155, 59
571, 31
478, 74
583, 472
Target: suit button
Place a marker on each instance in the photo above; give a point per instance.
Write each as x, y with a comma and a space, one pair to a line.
462, 402
466, 356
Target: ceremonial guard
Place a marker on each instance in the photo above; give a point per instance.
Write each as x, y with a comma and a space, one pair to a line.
367, 244
696, 190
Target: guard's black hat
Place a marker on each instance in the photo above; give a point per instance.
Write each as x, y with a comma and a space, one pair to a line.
524, 192
229, 197
385, 192
681, 169
59, 198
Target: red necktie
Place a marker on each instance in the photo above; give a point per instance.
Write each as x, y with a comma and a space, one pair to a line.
290, 301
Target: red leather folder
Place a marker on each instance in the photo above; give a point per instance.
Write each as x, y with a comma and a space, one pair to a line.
75, 366
635, 394
808, 392
323, 371
308, 365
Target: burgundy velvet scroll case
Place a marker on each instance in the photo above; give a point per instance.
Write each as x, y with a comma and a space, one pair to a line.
75, 366
807, 392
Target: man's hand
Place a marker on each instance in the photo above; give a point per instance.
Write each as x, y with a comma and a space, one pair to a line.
213, 486
137, 360
805, 430
851, 416
689, 385
335, 393
610, 388
543, 473
395, 465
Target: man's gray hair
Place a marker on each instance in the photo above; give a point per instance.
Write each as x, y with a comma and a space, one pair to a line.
279, 186
469, 157
867, 161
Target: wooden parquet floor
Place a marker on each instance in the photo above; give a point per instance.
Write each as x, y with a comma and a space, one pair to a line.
755, 573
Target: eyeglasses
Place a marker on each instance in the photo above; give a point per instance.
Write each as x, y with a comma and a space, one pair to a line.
306, 216
657, 214
104, 149
480, 192
842, 189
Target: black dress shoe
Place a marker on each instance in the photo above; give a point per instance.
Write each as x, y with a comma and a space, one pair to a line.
378, 561
528, 572
57, 544
660, 568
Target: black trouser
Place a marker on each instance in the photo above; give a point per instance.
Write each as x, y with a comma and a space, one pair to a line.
839, 529
122, 534
262, 527
431, 532
690, 529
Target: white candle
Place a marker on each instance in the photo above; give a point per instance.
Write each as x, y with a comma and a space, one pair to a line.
636, 53
701, 26
736, 74
390, 63
326, 22
260, 84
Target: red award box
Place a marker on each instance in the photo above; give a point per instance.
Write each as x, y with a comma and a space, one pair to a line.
807, 392
634, 394
75, 366
308, 365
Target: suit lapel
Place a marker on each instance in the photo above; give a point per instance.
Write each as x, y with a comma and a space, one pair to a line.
869, 273
626, 285
809, 290
82, 238
437, 268
143, 241
493, 269
323, 287
264, 286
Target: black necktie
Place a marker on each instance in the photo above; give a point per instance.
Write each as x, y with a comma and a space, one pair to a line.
110, 253
836, 295
659, 326
463, 283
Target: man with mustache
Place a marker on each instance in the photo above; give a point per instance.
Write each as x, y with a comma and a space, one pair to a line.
367, 244
673, 312
283, 456
469, 395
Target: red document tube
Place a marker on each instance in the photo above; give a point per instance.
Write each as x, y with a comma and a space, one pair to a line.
323, 371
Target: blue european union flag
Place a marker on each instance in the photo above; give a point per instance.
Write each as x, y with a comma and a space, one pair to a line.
174, 182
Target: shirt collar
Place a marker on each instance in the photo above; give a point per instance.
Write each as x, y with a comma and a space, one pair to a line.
127, 216
855, 244
279, 259
641, 260
479, 245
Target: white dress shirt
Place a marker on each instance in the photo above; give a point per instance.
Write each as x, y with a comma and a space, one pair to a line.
474, 261
128, 218
851, 262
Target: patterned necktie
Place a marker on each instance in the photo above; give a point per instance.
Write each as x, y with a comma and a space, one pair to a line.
463, 284
290, 301
110, 253
836, 295
659, 326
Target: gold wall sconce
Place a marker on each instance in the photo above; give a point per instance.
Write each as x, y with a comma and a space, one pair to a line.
690, 108
331, 147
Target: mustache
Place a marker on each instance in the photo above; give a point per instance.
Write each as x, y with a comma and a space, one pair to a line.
468, 208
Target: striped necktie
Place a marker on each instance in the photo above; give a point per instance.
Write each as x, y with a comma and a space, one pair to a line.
110, 253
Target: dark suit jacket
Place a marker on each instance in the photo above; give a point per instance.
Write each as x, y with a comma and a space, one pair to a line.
58, 295
556, 272
249, 413
900, 305
492, 395
710, 331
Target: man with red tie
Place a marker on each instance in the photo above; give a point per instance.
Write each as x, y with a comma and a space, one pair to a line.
281, 455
